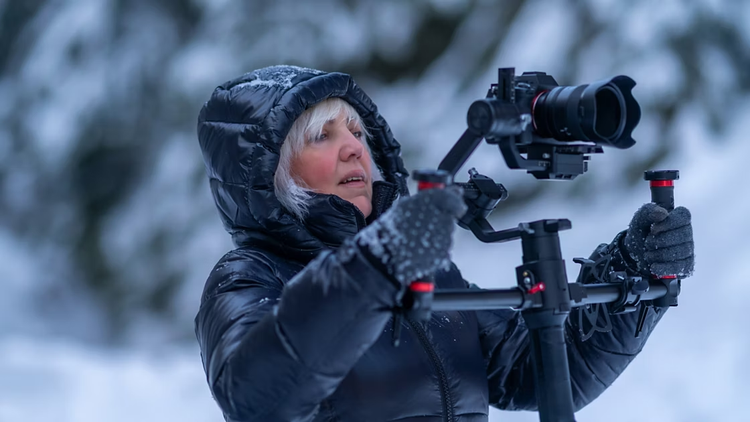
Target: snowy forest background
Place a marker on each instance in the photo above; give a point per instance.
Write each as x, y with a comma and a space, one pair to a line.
108, 229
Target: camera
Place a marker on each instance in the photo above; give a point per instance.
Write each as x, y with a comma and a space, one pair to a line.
548, 129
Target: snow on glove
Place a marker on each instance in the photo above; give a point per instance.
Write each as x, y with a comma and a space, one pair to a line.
661, 242
413, 238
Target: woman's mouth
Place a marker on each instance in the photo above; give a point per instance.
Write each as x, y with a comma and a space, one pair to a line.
355, 181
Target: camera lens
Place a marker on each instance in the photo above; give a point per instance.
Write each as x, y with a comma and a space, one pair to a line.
609, 113
604, 112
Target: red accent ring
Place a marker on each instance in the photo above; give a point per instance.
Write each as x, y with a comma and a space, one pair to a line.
422, 286
430, 185
661, 183
667, 277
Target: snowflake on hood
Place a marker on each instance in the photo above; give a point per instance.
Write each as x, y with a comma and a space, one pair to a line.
281, 75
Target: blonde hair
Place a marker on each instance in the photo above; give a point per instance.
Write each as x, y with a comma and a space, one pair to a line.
308, 126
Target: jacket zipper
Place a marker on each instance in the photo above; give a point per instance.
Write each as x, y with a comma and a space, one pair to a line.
445, 394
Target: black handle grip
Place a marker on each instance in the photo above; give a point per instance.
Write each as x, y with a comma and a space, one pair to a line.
662, 187
418, 299
662, 194
431, 179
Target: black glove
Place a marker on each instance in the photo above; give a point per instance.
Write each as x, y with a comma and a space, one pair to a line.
661, 242
413, 238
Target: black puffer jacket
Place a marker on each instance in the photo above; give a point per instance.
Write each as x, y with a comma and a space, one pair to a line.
288, 331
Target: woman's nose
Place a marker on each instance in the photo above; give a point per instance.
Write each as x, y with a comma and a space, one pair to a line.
351, 147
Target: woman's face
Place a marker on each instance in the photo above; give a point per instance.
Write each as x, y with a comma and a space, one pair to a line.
337, 162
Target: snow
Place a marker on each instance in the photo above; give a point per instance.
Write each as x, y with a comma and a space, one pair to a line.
63, 381
694, 367
280, 75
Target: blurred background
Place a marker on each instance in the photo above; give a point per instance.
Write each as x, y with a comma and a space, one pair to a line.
108, 229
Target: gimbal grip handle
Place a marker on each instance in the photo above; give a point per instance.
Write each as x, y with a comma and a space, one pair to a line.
662, 192
662, 187
431, 179
421, 291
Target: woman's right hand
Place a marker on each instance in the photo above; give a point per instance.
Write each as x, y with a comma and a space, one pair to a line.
414, 237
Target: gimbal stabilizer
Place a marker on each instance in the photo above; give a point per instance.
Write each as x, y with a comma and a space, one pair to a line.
543, 294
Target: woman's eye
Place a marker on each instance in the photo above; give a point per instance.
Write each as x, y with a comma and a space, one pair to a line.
321, 137
358, 134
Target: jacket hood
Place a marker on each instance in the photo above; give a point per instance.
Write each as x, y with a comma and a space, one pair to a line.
241, 129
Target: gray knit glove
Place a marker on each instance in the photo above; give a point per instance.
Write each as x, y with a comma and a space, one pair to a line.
414, 237
661, 242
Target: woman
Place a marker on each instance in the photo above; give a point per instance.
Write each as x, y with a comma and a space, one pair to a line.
294, 323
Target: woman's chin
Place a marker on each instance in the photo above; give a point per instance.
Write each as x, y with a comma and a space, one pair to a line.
363, 203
